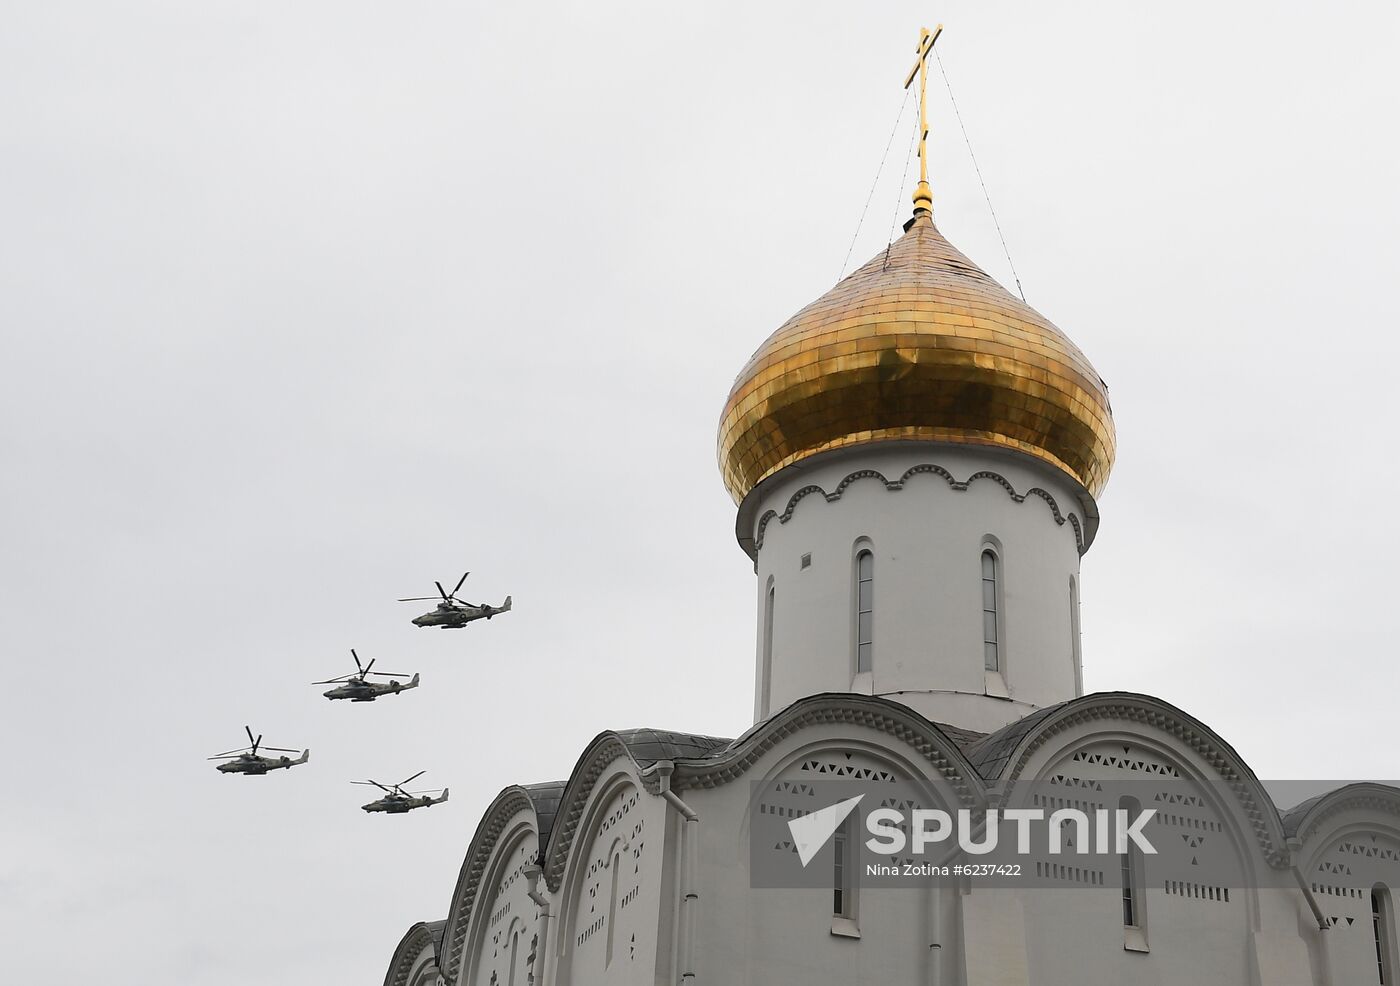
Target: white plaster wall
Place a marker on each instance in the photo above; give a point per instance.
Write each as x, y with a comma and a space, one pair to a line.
620, 842
927, 539
503, 910
1355, 851
1071, 936
763, 936
951, 934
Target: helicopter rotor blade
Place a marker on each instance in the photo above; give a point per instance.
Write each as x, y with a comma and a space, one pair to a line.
356, 657
280, 749
335, 681
230, 753
390, 674
441, 590
460, 581
365, 670
413, 778
249, 731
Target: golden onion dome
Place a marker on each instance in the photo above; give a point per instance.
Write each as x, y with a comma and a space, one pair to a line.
918, 344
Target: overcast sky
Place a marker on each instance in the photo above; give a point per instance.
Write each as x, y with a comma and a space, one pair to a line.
307, 304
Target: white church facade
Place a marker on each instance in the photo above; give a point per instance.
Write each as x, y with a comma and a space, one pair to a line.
915, 457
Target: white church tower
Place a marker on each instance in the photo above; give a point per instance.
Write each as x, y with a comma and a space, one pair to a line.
915, 457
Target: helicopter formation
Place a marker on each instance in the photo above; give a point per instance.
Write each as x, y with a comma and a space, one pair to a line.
450, 614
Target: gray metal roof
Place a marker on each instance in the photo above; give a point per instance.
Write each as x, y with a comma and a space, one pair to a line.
647, 746
1293, 817
545, 797
963, 738
436, 929
992, 752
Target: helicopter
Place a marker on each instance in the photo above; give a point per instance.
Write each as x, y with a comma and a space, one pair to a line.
452, 613
356, 688
247, 761
396, 800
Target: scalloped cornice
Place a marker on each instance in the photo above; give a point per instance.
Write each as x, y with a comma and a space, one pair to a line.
509, 803
1195, 735
606, 748
841, 708
927, 468
1368, 796
879, 714
406, 954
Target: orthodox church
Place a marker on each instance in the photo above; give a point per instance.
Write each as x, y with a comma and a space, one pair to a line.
915, 458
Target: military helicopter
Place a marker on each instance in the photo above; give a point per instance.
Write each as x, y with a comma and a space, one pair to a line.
247, 761
354, 686
451, 613
396, 800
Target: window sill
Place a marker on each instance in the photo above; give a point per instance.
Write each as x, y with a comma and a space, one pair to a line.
1135, 940
844, 928
994, 685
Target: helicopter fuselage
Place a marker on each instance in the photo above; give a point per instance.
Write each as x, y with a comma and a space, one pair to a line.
397, 804
256, 766
455, 615
368, 691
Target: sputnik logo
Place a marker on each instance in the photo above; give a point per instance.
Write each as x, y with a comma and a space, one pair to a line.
811, 832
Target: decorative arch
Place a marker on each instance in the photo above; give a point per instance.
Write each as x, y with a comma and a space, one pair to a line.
1347, 844
503, 905
1002, 756
1305, 821
711, 762
601, 754
603, 874
415, 956
905, 760
924, 741
510, 803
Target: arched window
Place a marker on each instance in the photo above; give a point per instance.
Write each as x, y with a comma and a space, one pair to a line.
615, 866
766, 685
514, 956
1130, 863
1383, 931
842, 872
865, 609
991, 615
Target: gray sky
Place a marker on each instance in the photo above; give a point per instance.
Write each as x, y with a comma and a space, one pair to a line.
308, 304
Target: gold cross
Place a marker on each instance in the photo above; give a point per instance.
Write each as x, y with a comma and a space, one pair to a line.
923, 196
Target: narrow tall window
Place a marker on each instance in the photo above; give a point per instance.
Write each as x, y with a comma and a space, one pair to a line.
991, 639
1380, 928
1075, 640
1129, 863
841, 872
766, 686
865, 610
612, 909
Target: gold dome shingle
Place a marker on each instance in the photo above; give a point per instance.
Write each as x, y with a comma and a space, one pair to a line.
922, 345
